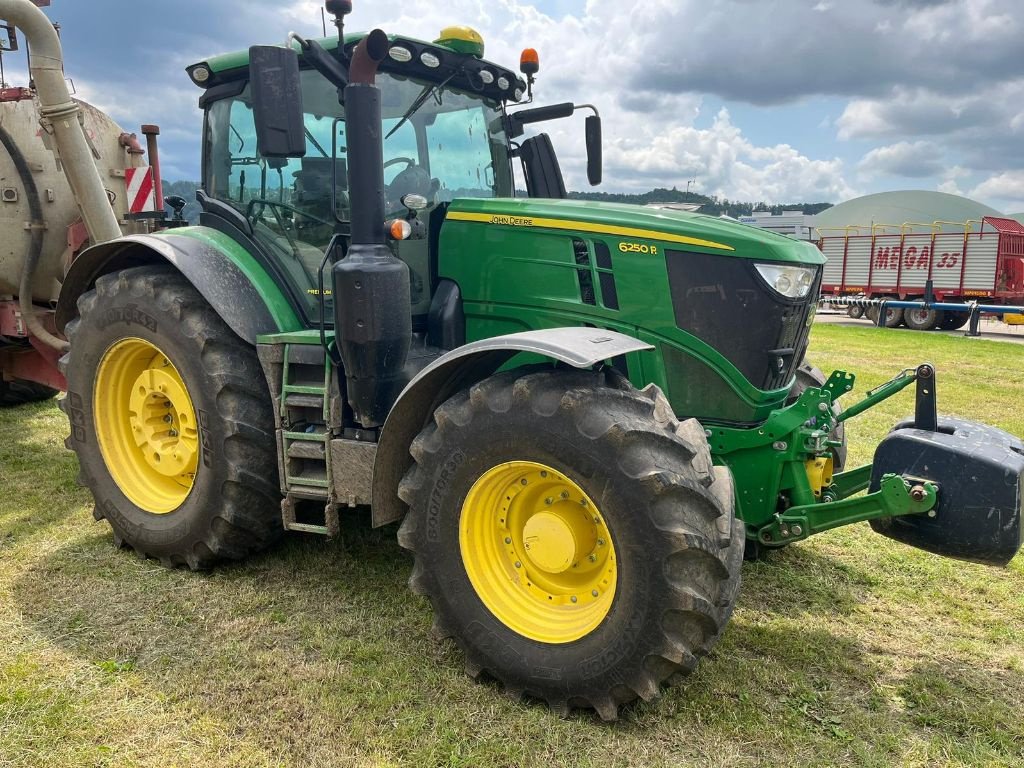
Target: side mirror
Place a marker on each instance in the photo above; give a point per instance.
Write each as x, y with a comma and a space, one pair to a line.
277, 101
595, 161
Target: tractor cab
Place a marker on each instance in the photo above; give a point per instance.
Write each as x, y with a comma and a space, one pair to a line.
446, 135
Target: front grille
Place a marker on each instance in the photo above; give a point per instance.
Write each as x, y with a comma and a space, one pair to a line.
723, 301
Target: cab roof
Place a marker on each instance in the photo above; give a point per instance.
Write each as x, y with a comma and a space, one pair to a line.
408, 56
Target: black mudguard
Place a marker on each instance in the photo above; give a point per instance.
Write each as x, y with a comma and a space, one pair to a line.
980, 473
217, 278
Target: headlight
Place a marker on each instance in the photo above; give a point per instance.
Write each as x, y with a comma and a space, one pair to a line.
791, 282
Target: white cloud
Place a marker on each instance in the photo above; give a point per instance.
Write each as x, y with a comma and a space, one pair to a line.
1006, 188
903, 79
915, 160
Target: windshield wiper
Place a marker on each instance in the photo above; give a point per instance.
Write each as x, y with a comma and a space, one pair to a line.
419, 102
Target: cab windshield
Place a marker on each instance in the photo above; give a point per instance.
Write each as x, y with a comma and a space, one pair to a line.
452, 145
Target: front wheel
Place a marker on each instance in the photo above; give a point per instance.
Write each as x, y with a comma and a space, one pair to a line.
171, 420
572, 535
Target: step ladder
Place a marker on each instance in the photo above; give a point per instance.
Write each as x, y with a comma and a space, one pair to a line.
307, 388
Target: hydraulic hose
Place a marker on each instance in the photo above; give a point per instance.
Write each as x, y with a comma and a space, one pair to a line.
35, 249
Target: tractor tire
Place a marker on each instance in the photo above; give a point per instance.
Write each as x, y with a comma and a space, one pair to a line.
922, 319
954, 321
21, 392
809, 376
855, 311
572, 535
893, 316
172, 422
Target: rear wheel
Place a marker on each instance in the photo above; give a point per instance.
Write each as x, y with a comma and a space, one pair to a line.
171, 421
921, 319
572, 535
20, 392
855, 311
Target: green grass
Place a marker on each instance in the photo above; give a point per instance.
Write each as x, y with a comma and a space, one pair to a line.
847, 649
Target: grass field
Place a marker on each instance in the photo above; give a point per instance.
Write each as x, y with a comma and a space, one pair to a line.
848, 649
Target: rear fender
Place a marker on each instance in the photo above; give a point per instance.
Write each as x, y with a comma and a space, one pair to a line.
461, 368
225, 274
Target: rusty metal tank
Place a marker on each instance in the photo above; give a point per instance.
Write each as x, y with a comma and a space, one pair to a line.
64, 231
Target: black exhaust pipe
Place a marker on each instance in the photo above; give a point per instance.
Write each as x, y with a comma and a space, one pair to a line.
372, 315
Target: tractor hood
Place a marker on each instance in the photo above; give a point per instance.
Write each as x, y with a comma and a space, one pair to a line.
638, 223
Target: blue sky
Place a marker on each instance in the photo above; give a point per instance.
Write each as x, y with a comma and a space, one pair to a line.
793, 100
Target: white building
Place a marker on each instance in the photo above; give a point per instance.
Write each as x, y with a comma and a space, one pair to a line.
795, 224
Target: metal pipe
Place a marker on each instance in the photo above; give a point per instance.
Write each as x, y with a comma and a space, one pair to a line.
365, 141
151, 132
60, 117
993, 309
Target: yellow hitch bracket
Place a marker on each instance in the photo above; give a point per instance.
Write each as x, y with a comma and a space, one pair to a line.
819, 473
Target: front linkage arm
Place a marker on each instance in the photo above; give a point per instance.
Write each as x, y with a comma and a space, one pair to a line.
784, 496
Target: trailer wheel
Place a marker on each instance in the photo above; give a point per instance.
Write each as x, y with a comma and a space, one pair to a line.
893, 316
856, 311
572, 535
171, 420
20, 392
920, 319
954, 321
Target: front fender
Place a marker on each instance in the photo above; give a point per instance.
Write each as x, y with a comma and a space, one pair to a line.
460, 368
225, 274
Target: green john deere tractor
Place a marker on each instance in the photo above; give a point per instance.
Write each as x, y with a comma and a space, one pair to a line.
584, 415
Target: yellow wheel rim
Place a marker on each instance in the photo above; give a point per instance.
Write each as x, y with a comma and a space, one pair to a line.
538, 552
145, 425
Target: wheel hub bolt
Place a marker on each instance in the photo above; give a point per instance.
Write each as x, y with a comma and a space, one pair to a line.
168, 418
594, 592
549, 500
592, 558
173, 433
508, 539
518, 564
565, 494
573, 598
543, 473
600, 542
583, 502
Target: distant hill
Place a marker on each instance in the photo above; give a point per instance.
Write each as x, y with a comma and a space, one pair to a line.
712, 206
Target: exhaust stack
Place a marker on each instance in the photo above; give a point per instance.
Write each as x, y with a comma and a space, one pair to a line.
372, 323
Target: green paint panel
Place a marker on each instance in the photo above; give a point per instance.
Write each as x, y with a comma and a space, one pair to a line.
521, 273
278, 305
590, 217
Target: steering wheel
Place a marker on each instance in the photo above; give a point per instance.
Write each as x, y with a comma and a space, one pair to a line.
407, 160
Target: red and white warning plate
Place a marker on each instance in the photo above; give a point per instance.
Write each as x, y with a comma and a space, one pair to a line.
141, 193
